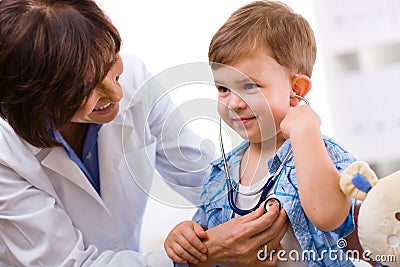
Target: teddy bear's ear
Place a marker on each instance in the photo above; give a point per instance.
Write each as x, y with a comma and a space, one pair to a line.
357, 179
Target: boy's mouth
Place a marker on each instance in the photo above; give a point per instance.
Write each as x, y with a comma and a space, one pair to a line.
243, 120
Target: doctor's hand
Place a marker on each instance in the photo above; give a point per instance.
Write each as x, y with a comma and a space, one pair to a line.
300, 120
237, 242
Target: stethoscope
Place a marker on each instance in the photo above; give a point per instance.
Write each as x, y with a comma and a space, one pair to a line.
268, 185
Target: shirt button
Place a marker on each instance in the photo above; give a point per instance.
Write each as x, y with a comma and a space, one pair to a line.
89, 155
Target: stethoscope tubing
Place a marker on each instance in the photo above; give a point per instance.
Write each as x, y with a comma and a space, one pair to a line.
265, 189
268, 185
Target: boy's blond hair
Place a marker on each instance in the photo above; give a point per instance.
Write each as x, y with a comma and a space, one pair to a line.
267, 26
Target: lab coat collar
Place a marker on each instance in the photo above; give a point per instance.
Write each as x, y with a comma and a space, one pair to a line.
58, 161
110, 138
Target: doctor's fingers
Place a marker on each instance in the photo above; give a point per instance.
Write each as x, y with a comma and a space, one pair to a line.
258, 221
274, 243
274, 234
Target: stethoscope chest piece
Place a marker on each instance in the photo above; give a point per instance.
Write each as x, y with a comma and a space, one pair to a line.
271, 202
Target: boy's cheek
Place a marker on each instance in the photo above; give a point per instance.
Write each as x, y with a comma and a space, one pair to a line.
222, 109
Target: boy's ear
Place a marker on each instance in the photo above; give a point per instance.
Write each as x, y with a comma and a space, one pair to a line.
301, 85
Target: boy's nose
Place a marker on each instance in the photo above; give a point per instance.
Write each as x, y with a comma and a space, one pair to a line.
236, 102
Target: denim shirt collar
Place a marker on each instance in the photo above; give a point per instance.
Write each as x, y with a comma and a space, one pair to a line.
234, 157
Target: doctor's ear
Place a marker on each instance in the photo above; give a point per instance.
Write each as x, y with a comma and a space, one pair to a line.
301, 85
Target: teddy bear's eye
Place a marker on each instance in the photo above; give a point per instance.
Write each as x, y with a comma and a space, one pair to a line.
397, 215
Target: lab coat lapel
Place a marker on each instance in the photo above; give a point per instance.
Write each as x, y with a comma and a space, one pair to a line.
58, 161
32, 170
111, 147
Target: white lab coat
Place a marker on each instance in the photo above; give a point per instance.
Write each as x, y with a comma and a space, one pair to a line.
50, 215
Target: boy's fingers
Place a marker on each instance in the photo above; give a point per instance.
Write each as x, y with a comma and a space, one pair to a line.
183, 244
199, 230
194, 246
184, 254
174, 256
190, 243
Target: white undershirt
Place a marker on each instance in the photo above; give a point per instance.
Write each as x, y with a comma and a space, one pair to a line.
289, 242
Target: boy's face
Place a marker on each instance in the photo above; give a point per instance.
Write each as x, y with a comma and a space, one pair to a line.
253, 96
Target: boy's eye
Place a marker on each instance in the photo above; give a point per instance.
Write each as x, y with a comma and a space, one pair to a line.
222, 89
248, 86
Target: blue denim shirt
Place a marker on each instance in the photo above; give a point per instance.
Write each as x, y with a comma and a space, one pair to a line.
215, 208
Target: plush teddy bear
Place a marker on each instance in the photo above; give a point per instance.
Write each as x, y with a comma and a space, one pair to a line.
379, 215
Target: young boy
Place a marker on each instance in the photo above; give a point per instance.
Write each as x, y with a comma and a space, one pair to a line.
262, 60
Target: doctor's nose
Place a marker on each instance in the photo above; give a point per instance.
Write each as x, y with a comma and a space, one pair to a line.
236, 102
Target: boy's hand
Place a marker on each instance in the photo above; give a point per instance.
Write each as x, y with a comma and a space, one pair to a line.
183, 243
300, 119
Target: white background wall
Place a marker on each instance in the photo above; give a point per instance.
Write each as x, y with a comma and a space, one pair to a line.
361, 43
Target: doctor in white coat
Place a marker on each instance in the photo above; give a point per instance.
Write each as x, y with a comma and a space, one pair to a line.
80, 142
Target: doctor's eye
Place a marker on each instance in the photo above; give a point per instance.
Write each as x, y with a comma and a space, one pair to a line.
222, 89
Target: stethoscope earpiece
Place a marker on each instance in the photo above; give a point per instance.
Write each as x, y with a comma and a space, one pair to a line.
300, 97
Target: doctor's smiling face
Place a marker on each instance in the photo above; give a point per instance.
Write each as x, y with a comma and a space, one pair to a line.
102, 105
253, 96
